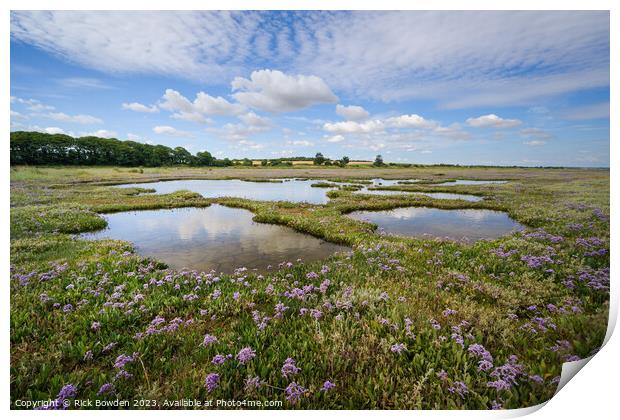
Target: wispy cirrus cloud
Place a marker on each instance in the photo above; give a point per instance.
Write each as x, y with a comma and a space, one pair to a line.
550, 53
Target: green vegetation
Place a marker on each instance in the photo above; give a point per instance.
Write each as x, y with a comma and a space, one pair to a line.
34, 148
399, 323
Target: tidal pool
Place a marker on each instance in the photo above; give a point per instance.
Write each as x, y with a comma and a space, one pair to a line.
442, 196
213, 238
469, 182
465, 225
290, 190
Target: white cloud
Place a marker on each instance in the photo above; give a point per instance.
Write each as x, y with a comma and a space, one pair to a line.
106, 134
302, 143
535, 142
54, 130
137, 137
138, 107
352, 112
171, 131
79, 119
410, 121
347, 127
492, 120
83, 83
18, 115
334, 139
413, 53
378, 125
534, 132
32, 104
274, 91
191, 116
254, 120
197, 110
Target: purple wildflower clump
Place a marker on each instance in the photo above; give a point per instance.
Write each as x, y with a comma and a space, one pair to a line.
123, 359
328, 386
534, 261
212, 382
245, 355
506, 375
486, 359
105, 389
459, 388
209, 339
252, 384
398, 348
289, 368
294, 392
280, 308
67, 391
218, 359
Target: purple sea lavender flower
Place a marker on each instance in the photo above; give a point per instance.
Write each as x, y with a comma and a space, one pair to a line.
328, 386
67, 391
289, 368
398, 348
105, 389
252, 384
459, 388
209, 339
245, 355
212, 381
218, 359
294, 392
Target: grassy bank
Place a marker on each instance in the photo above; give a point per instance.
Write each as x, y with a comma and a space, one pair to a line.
397, 323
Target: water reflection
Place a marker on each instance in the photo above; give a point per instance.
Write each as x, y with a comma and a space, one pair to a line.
463, 225
469, 182
216, 237
290, 190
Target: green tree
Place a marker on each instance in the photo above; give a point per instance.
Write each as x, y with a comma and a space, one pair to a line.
319, 159
378, 161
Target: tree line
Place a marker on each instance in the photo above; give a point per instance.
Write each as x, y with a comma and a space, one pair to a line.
34, 148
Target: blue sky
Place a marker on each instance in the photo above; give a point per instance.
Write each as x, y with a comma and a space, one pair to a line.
495, 88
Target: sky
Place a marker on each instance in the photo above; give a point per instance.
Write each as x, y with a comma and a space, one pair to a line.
489, 88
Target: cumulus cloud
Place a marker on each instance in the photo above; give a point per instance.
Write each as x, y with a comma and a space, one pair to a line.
274, 91
410, 121
352, 112
198, 109
348, 127
138, 107
334, 139
379, 125
171, 131
492, 120
32, 104
106, 134
54, 130
79, 119
254, 120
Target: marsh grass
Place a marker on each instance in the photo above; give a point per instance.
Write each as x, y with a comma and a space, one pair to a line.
540, 295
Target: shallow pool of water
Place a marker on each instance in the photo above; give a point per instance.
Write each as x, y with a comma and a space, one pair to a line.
469, 182
213, 238
442, 196
466, 225
290, 190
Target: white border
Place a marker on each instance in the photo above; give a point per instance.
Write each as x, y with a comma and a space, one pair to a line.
594, 391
